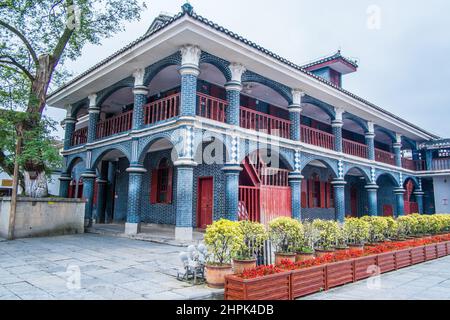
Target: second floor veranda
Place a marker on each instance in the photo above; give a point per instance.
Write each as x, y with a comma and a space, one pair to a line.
262, 109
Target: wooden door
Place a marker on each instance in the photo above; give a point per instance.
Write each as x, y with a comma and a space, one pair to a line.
205, 202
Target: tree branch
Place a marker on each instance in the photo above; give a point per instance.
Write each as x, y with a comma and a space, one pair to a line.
63, 40
14, 62
24, 40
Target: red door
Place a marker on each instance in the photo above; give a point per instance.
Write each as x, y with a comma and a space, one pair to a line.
354, 201
205, 202
388, 210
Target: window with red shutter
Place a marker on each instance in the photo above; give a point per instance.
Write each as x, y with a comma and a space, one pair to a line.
162, 185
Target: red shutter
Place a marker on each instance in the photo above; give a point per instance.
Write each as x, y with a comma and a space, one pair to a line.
154, 187
310, 193
169, 185
304, 193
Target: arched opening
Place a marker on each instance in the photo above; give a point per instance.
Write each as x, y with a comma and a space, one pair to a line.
264, 110
111, 195
316, 126
116, 112
264, 192
411, 205
317, 198
75, 168
353, 137
356, 198
386, 197
79, 136
383, 146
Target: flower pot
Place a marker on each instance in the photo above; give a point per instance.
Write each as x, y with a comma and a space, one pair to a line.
300, 256
215, 275
279, 257
239, 266
356, 246
342, 249
320, 252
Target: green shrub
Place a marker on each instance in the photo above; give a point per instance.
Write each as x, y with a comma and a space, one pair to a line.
223, 239
329, 232
357, 230
377, 228
285, 234
253, 236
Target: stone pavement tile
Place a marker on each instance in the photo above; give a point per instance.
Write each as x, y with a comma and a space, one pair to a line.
82, 294
22, 269
50, 284
445, 284
142, 287
114, 292
26, 291
10, 279
196, 292
116, 277
33, 275
8, 263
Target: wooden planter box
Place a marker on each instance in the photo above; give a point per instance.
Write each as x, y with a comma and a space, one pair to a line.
362, 267
441, 250
273, 287
418, 255
386, 262
430, 252
403, 259
308, 281
339, 273
300, 283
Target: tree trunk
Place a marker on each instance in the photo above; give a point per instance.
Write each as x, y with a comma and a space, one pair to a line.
36, 188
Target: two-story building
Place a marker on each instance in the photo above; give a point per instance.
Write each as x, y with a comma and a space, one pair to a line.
192, 122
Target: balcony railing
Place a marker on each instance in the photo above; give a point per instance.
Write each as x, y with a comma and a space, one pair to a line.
385, 157
317, 137
258, 121
414, 165
355, 148
79, 137
117, 124
211, 107
274, 177
162, 109
441, 164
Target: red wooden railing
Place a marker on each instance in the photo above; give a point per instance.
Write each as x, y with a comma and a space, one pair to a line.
415, 165
79, 137
317, 137
441, 164
258, 121
274, 177
211, 107
250, 197
117, 124
162, 109
384, 156
354, 148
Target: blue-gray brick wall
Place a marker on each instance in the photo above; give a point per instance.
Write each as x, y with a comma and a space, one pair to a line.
188, 95
386, 194
138, 112
121, 200
361, 199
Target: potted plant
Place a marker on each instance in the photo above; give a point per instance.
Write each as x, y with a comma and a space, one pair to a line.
391, 229
357, 232
328, 236
284, 234
305, 249
223, 239
341, 240
377, 229
405, 227
253, 237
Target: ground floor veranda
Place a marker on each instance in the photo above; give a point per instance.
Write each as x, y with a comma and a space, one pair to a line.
155, 181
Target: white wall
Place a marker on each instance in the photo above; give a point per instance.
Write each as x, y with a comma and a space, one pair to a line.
442, 194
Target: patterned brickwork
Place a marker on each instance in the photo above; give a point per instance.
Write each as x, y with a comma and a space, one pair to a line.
88, 194
339, 201
398, 155
219, 63
296, 188
92, 126
337, 132
70, 128
184, 195
231, 195
121, 200
295, 125
134, 197
372, 201
234, 103
370, 142
138, 111
188, 95
400, 204
330, 163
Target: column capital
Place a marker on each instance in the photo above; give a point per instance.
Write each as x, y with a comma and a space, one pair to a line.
399, 191
232, 169
419, 193
185, 163
337, 123
370, 128
237, 70
297, 95
338, 183
90, 174
233, 86
339, 113
138, 76
369, 135
190, 59
295, 177
92, 100
136, 170
396, 145
65, 178
101, 181
398, 138
140, 90
372, 187
69, 120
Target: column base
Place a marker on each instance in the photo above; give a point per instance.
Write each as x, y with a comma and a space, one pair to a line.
87, 223
132, 229
184, 234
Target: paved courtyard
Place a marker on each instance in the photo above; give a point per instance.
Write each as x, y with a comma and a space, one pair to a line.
92, 267
427, 281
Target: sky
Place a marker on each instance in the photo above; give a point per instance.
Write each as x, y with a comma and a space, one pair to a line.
402, 48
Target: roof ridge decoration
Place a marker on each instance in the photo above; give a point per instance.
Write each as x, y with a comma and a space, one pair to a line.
331, 57
187, 10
